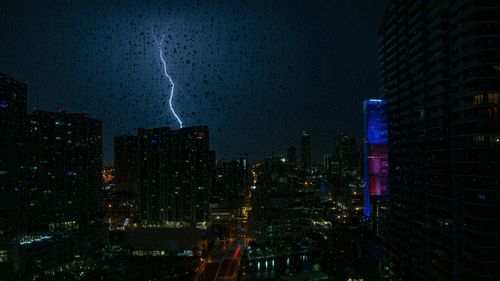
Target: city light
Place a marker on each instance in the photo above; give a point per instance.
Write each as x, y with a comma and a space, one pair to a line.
30, 239
299, 164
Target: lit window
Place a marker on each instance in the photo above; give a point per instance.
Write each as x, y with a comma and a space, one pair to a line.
478, 99
3, 256
478, 139
496, 69
494, 97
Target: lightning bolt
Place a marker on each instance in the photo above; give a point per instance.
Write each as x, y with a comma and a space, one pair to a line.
158, 45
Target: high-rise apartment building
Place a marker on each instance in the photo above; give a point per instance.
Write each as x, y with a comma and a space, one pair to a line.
193, 170
440, 65
156, 193
61, 184
175, 173
13, 99
376, 164
231, 181
63, 171
50, 183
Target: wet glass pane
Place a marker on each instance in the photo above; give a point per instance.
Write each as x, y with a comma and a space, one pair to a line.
250, 140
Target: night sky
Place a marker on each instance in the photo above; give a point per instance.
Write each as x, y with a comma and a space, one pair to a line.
256, 72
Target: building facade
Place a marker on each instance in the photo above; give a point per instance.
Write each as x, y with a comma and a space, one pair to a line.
440, 63
59, 193
13, 100
231, 181
175, 169
63, 171
376, 165
346, 155
156, 195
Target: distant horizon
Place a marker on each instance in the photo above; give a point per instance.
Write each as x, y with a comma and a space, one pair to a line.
109, 163
311, 68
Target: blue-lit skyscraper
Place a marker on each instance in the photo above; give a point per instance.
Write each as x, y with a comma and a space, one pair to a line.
375, 154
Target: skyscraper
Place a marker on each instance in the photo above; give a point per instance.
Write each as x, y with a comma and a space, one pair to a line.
50, 179
440, 68
346, 154
64, 176
375, 160
175, 174
327, 159
13, 97
230, 184
61, 191
305, 151
193, 172
156, 193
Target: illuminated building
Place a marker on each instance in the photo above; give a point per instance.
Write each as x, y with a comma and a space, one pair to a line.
65, 162
375, 152
440, 67
52, 168
175, 169
193, 168
305, 151
156, 193
278, 222
13, 96
108, 176
230, 183
375, 162
327, 159
63, 181
38, 253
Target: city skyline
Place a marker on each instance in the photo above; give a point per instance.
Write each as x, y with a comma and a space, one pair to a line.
227, 71
250, 140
